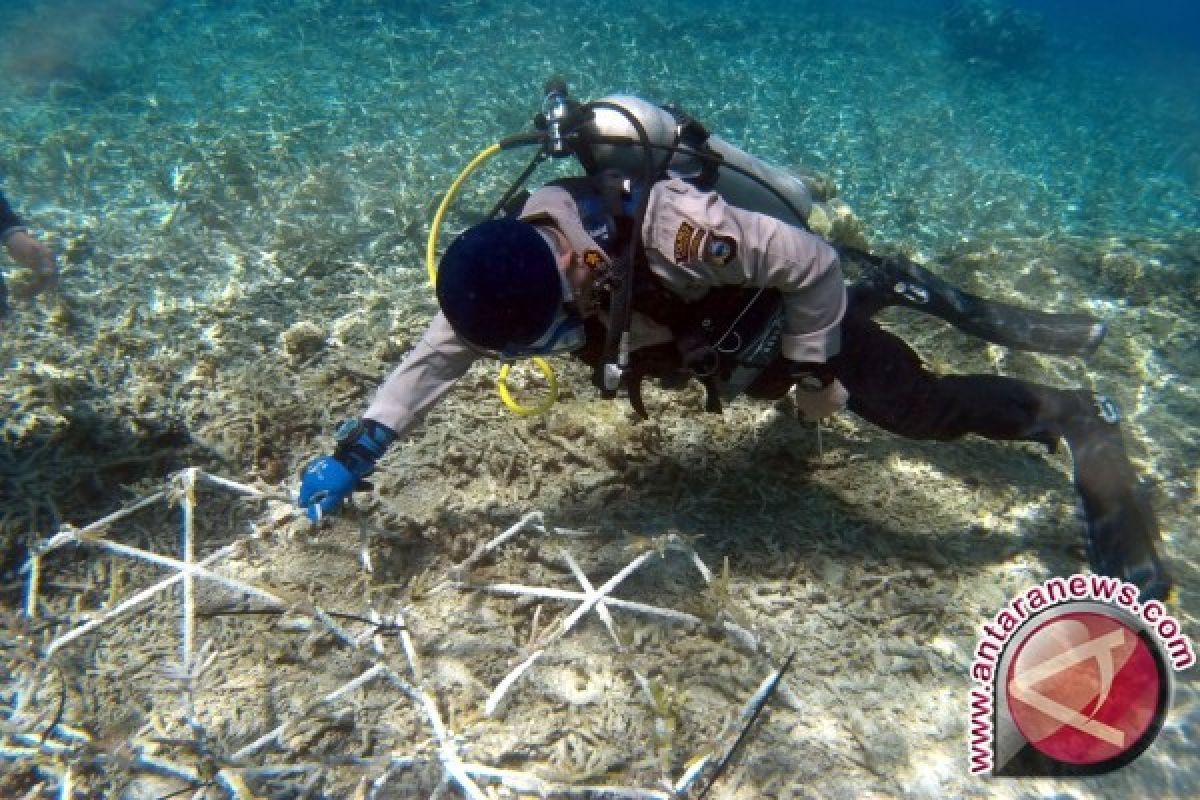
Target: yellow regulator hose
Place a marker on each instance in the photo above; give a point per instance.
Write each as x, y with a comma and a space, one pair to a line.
431, 265
529, 411
436, 228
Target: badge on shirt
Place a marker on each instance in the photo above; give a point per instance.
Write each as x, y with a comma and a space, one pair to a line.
693, 245
719, 250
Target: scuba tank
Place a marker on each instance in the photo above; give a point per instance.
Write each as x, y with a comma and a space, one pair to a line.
683, 148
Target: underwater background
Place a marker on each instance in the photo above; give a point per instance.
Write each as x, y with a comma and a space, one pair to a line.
239, 193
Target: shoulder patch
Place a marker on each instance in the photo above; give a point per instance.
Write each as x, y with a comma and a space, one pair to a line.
593, 259
683, 241
719, 250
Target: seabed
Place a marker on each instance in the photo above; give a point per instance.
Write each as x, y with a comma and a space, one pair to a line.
240, 194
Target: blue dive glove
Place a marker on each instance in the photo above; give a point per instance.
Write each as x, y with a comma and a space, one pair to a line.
329, 480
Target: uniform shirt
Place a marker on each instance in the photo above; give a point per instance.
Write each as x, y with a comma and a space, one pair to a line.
694, 241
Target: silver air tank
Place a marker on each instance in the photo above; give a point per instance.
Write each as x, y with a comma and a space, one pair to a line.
664, 130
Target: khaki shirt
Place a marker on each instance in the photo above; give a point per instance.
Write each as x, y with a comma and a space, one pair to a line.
694, 241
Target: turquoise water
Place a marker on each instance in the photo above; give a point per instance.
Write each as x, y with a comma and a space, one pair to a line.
214, 173
1093, 134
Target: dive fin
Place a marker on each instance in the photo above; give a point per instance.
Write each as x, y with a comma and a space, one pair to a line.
1122, 533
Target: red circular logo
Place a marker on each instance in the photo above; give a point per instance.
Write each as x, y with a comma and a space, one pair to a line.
1085, 688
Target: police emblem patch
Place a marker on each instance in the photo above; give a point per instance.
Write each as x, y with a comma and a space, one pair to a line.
593, 259
683, 240
719, 250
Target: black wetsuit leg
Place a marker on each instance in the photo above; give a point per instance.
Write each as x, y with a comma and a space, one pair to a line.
890, 387
899, 281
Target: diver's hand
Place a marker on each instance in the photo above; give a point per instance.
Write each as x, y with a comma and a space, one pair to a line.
818, 391
328, 481
325, 485
35, 256
814, 405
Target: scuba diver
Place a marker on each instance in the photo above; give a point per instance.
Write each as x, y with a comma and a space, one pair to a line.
26, 250
678, 257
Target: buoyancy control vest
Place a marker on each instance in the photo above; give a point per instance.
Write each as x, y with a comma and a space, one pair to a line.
726, 339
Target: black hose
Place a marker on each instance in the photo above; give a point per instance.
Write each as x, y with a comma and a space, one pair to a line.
504, 200
521, 140
620, 309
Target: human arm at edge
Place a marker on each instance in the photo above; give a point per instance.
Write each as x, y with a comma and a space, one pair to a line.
424, 376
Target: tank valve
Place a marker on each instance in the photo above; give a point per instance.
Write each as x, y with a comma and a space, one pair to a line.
555, 117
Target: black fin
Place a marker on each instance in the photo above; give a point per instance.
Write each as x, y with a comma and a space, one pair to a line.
1121, 533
